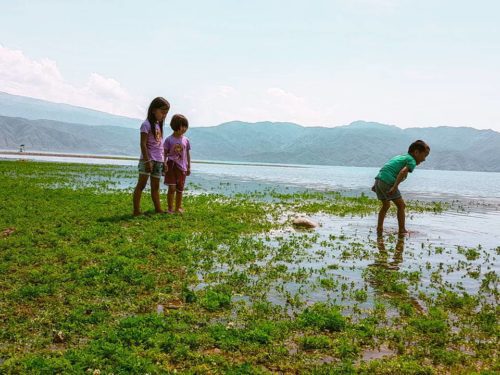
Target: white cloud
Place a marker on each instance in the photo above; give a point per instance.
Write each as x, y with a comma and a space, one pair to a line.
217, 104
42, 79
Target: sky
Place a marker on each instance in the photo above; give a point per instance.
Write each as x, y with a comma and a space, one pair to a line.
409, 63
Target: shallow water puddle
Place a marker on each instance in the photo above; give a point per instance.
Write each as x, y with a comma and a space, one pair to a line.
343, 261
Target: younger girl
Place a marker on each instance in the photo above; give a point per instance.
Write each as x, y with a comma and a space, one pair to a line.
151, 161
177, 162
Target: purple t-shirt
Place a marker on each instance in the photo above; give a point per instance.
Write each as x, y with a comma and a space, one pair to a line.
153, 144
176, 149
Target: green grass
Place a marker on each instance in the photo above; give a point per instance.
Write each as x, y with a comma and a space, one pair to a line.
81, 281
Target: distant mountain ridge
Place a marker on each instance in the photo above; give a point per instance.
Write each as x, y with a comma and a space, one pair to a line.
363, 144
56, 136
36, 109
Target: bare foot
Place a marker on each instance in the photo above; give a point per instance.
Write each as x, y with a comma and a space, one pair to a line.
137, 213
403, 232
170, 212
160, 212
180, 210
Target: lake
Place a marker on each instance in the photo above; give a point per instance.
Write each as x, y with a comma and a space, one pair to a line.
421, 184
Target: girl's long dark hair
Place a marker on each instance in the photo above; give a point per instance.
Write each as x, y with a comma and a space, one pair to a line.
156, 103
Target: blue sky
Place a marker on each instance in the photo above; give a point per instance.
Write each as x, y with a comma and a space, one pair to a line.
327, 63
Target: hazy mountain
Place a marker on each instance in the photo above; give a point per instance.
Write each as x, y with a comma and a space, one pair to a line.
45, 126
48, 135
357, 144
35, 109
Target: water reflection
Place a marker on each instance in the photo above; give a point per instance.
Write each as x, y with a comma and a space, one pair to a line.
386, 280
382, 256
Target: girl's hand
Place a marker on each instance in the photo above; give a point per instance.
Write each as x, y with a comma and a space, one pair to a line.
165, 167
188, 172
149, 166
392, 190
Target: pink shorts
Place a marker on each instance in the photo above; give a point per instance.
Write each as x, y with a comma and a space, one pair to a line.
174, 176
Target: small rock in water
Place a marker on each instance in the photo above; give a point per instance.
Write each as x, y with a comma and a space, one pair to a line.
304, 222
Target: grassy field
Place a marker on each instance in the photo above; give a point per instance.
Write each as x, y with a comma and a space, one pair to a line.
226, 288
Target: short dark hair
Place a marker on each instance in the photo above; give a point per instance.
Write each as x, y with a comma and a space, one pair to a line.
178, 121
418, 145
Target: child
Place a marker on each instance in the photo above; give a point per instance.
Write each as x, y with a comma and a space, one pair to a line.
151, 160
177, 162
389, 178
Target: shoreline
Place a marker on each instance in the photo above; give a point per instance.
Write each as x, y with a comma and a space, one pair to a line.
492, 201
117, 157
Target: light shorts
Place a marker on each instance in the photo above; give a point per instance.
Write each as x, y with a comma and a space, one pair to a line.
382, 188
156, 171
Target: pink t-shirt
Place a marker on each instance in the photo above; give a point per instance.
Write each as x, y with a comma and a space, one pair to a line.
153, 144
176, 150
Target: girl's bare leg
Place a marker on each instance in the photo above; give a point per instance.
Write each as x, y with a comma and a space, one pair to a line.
178, 201
141, 184
155, 194
170, 197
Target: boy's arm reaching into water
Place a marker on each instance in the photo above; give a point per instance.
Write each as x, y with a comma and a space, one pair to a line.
401, 176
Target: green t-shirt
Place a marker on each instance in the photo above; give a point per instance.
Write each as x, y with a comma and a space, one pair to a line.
389, 172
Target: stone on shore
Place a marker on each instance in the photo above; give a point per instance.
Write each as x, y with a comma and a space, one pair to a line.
304, 223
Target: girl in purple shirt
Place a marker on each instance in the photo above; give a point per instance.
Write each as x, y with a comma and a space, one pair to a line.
151, 160
177, 162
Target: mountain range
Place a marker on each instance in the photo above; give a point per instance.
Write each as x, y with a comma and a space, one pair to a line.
366, 144
34, 109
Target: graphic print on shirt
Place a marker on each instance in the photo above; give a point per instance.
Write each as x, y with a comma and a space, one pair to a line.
158, 135
177, 150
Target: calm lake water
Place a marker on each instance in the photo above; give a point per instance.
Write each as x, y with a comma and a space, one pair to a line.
421, 184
